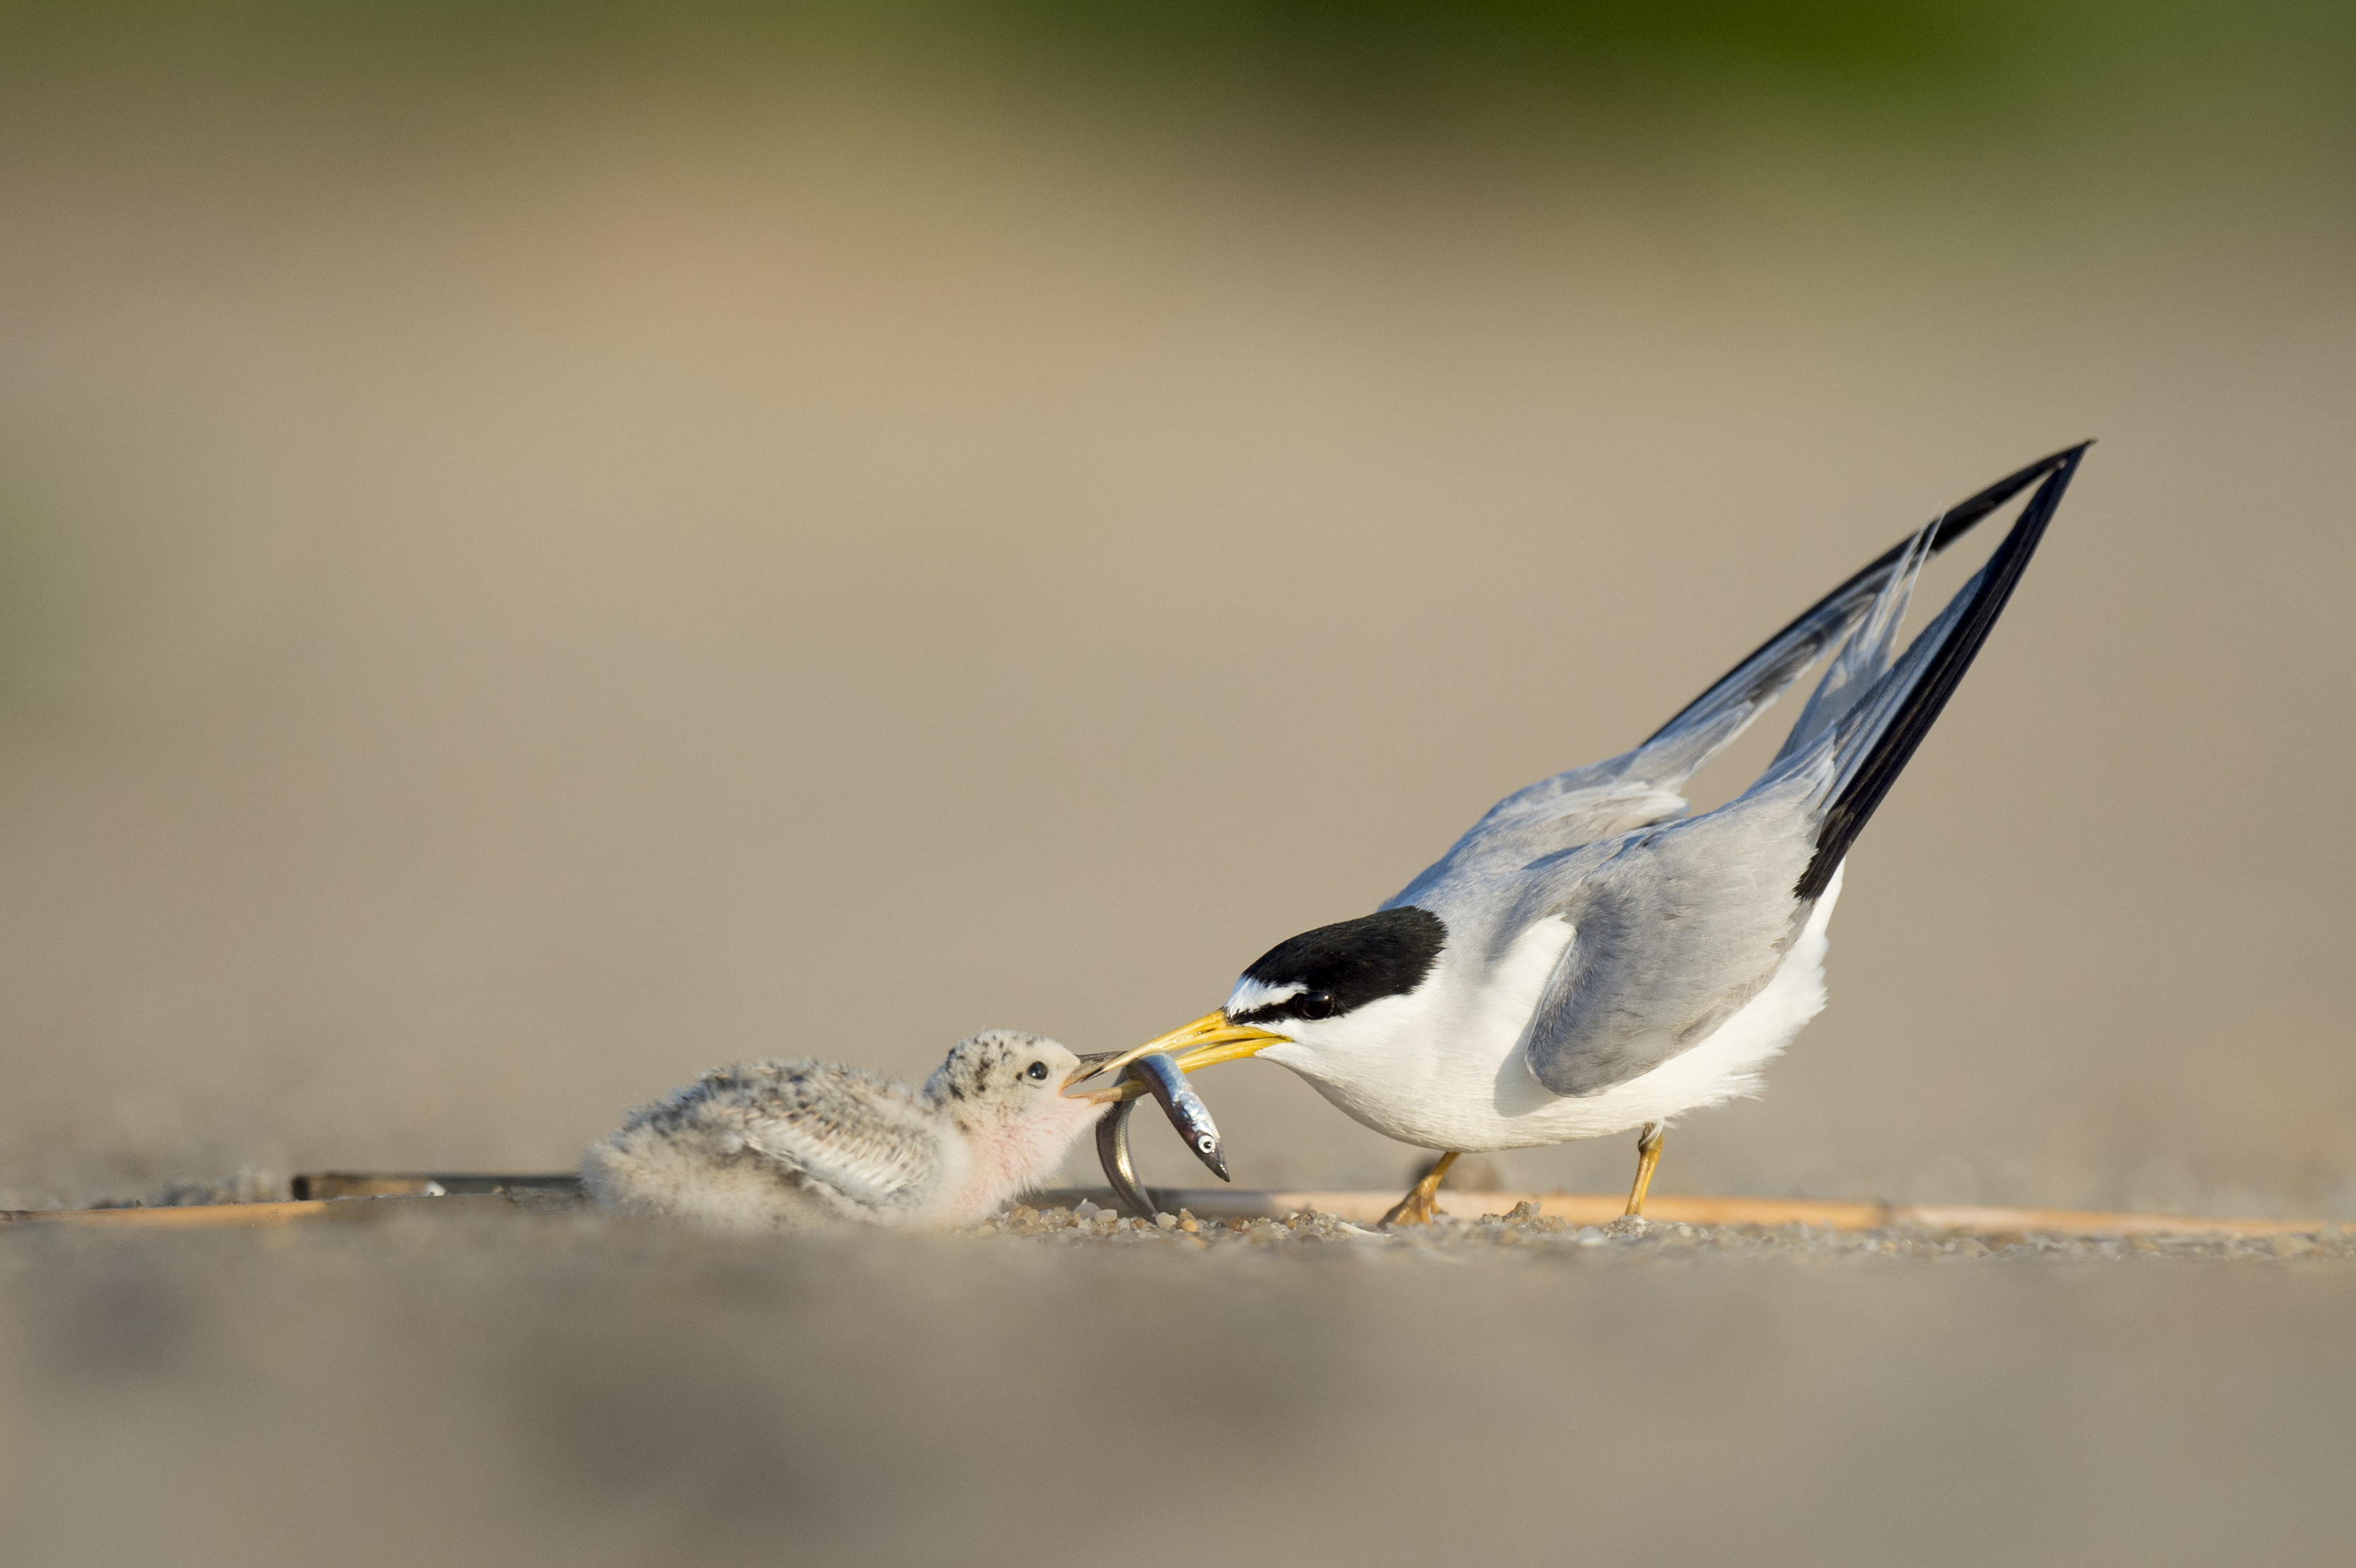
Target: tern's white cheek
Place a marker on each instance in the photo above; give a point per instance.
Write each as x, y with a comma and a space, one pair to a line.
1290, 1053
1324, 1049
1305, 1042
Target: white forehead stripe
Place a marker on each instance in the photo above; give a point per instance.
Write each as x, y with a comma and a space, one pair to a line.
1250, 996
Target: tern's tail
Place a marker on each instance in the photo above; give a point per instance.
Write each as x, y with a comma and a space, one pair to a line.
1712, 720
1868, 731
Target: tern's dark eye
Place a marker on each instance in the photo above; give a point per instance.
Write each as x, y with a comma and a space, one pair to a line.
1036, 1070
1316, 1004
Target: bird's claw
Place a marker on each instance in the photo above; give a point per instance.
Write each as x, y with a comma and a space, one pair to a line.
1417, 1208
1421, 1204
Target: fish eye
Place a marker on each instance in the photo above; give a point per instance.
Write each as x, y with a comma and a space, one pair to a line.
1036, 1070
1316, 1004
1206, 1143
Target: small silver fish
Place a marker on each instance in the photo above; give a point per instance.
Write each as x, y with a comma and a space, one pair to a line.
1184, 1107
1186, 1111
1112, 1153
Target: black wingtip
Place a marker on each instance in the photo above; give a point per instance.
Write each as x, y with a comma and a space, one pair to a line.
1895, 745
1964, 516
1952, 525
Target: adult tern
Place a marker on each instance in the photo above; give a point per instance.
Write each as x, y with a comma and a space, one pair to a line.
1589, 960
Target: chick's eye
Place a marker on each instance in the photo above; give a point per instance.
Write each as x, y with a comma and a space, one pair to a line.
1316, 1004
1036, 1070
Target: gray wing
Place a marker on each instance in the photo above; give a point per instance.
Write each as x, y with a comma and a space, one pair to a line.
1642, 787
1675, 927
865, 1138
1673, 930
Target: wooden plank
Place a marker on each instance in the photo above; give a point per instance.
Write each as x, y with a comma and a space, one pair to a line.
254, 1216
509, 1193
1982, 1220
1600, 1209
1366, 1207
188, 1217
423, 1184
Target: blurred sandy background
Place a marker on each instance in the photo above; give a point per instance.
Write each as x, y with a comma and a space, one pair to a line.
540, 554
545, 548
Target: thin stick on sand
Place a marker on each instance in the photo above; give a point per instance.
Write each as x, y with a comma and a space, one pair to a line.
375, 1196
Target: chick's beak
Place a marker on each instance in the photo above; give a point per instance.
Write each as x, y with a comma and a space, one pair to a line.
1208, 1040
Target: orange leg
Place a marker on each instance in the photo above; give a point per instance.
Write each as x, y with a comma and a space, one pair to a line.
1648, 1154
1418, 1207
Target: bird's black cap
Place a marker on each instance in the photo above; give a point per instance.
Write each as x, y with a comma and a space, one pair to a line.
1341, 967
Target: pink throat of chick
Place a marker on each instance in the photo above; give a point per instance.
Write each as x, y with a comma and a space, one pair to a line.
1017, 1152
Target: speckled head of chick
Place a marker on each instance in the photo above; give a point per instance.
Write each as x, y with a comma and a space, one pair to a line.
776, 1146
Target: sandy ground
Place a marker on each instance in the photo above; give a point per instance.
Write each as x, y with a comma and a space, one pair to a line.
551, 1389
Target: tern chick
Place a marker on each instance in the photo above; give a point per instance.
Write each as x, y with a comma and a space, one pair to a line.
781, 1145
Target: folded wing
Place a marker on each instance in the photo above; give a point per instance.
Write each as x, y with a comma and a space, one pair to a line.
1642, 786
1672, 933
1674, 926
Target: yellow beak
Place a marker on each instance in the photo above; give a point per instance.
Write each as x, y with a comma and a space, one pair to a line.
1208, 1040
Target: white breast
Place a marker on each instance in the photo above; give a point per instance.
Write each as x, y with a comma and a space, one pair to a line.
1448, 1071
